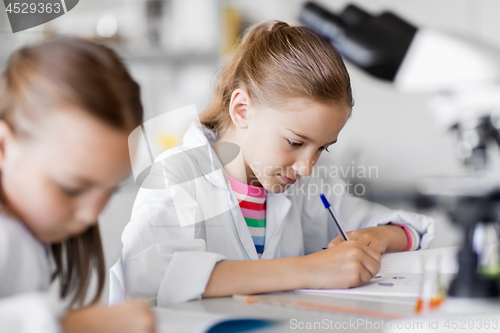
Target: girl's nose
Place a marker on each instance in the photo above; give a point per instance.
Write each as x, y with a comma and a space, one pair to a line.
304, 166
91, 207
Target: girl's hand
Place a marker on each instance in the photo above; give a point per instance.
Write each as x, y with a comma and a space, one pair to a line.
386, 238
343, 266
132, 317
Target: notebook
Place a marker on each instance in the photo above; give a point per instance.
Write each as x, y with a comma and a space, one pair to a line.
401, 275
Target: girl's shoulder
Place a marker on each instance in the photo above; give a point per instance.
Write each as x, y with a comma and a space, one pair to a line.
25, 264
183, 164
11, 229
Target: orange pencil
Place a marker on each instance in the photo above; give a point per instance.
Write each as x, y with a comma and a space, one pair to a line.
276, 300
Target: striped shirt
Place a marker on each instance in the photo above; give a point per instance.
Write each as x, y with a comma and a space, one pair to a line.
252, 200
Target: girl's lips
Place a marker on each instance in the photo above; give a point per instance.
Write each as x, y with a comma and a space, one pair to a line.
73, 233
288, 180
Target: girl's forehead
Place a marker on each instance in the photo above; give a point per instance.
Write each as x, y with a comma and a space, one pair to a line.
307, 112
59, 121
314, 120
78, 143
68, 123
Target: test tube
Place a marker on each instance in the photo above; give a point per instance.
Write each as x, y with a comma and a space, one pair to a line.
432, 292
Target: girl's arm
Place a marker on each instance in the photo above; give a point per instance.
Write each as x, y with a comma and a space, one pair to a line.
396, 236
344, 266
385, 238
365, 215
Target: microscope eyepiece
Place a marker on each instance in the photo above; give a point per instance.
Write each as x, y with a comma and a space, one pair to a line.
377, 44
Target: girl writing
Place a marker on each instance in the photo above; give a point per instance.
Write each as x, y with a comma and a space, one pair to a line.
257, 224
67, 106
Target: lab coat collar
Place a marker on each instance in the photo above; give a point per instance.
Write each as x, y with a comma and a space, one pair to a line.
242, 230
195, 137
278, 204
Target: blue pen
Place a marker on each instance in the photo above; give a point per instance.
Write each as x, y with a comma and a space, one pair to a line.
334, 217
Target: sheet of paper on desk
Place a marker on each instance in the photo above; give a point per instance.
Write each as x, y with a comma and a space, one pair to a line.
411, 262
400, 274
175, 321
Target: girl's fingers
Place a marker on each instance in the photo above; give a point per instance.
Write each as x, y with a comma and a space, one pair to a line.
368, 240
337, 240
366, 275
361, 251
372, 252
372, 265
363, 238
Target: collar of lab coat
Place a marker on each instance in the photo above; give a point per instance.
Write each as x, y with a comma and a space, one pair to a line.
194, 138
278, 204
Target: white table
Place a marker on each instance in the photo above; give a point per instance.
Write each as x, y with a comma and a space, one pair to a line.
290, 319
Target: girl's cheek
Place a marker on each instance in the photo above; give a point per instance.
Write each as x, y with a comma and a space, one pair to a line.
53, 209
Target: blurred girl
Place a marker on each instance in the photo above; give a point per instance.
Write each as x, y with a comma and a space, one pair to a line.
67, 106
257, 224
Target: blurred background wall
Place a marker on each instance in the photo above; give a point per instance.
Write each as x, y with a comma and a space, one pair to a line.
175, 48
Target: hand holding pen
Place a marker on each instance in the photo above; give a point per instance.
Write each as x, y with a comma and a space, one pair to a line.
374, 237
335, 220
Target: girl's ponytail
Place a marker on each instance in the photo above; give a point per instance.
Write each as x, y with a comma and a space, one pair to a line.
214, 116
275, 61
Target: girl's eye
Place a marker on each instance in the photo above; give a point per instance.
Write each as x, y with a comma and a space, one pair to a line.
293, 143
324, 148
72, 192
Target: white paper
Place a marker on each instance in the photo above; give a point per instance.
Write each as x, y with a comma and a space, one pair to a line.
400, 274
385, 284
411, 262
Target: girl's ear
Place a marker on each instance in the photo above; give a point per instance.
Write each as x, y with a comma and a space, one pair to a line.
6, 136
238, 108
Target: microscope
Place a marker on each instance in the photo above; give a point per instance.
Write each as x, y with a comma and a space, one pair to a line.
462, 79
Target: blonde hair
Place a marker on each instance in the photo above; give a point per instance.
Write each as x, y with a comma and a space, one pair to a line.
274, 62
77, 72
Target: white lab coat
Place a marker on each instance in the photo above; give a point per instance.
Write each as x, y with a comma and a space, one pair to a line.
26, 305
166, 256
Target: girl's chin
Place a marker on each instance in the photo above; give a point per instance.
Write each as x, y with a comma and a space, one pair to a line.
276, 187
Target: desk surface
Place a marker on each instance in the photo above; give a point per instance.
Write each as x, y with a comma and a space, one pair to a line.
290, 319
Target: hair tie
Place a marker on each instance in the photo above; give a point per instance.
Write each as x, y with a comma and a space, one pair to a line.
278, 25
